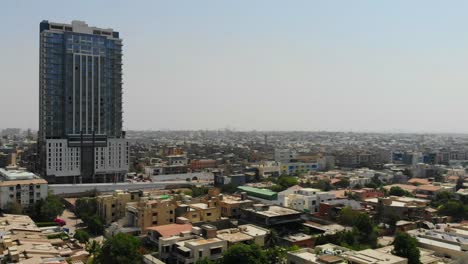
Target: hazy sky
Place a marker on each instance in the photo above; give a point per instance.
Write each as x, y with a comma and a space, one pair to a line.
266, 65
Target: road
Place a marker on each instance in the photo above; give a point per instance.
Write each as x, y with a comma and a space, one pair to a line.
72, 221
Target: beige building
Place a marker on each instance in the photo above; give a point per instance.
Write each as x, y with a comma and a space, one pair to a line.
171, 239
112, 207
190, 251
23, 242
371, 256
150, 211
323, 254
199, 212
230, 206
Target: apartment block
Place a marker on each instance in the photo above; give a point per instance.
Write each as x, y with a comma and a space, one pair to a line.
20, 186
112, 207
150, 212
304, 199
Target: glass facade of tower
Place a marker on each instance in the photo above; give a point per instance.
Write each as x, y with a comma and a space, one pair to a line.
80, 100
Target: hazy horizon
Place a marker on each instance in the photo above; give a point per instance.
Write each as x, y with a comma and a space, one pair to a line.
358, 66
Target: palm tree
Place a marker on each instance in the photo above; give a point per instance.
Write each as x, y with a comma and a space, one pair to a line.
272, 239
94, 249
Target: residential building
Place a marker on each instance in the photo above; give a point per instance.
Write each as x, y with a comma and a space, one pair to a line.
304, 199
23, 242
259, 193
450, 240
112, 207
371, 256
149, 211
267, 169
296, 168
298, 239
323, 254
22, 187
230, 206
80, 104
199, 212
156, 233
367, 193
285, 155
201, 164
190, 251
265, 215
406, 208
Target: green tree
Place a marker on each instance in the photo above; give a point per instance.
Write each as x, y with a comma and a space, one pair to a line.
13, 207
204, 261
94, 224
275, 255
228, 188
343, 183
287, 181
363, 223
272, 238
82, 236
94, 249
199, 191
460, 181
323, 185
453, 208
406, 246
120, 249
397, 191
86, 207
242, 253
348, 216
50, 208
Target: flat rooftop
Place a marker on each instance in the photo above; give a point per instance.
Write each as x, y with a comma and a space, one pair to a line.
274, 210
203, 241
371, 256
15, 174
233, 236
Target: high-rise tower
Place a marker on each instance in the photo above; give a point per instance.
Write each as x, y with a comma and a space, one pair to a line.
80, 104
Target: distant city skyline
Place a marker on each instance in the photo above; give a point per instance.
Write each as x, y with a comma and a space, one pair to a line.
393, 66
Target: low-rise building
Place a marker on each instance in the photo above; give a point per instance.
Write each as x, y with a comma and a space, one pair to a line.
366, 193
371, 256
449, 240
298, 239
406, 208
192, 250
20, 186
296, 168
199, 212
149, 211
259, 193
265, 215
23, 242
112, 207
324, 254
230, 206
304, 199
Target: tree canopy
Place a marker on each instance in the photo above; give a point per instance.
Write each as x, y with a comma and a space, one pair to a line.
406, 246
242, 253
397, 191
121, 249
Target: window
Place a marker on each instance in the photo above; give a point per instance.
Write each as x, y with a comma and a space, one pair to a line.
208, 214
215, 251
